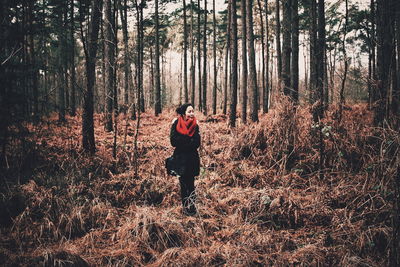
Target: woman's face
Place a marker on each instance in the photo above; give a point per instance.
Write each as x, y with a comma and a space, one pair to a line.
189, 114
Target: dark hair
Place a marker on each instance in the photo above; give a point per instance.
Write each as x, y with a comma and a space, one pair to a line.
182, 109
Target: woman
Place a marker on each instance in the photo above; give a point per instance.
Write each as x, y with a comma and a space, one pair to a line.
185, 138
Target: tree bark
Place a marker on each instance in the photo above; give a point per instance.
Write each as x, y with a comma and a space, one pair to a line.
199, 54
263, 61
384, 59
287, 49
346, 66
373, 96
266, 87
278, 39
313, 49
320, 63
244, 61
228, 47
192, 57
214, 94
252, 63
320, 56
109, 50
185, 85
396, 59
141, 34
295, 52
234, 59
72, 61
204, 87
127, 59
157, 99
88, 140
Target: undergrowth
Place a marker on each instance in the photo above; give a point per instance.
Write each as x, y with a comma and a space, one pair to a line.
60, 206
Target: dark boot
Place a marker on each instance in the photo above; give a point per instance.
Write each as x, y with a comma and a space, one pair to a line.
188, 195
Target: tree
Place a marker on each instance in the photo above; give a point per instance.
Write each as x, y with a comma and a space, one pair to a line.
313, 49
320, 56
294, 79
204, 87
346, 64
384, 55
278, 39
185, 85
287, 49
318, 112
62, 61
88, 140
157, 100
244, 61
214, 92
109, 50
234, 59
228, 47
372, 55
266, 87
396, 63
140, 56
199, 55
192, 57
252, 63
123, 8
72, 60
263, 47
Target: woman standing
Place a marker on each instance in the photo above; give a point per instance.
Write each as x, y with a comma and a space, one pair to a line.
185, 137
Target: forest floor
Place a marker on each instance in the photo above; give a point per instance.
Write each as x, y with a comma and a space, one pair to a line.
73, 209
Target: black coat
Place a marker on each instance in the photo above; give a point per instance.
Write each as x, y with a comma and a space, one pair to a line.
187, 160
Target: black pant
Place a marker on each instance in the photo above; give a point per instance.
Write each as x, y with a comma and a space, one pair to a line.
187, 194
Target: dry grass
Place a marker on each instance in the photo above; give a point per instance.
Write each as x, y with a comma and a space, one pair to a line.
84, 210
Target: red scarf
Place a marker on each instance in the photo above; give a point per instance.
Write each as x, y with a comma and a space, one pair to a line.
187, 127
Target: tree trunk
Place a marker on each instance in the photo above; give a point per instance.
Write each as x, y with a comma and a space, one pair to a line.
263, 61
66, 56
320, 63
72, 61
127, 61
228, 47
321, 55
214, 96
373, 52
287, 50
88, 140
32, 60
109, 50
192, 57
295, 52
61, 82
141, 34
234, 59
384, 59
244, 61
139, 59
61, 71
313, 49
204, 87
253, 87
396, 62
185, 85
266, 87
157, 99
199, 54
341, 95
102, 95
278, 39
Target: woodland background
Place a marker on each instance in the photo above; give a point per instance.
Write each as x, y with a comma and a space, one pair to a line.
298, 104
